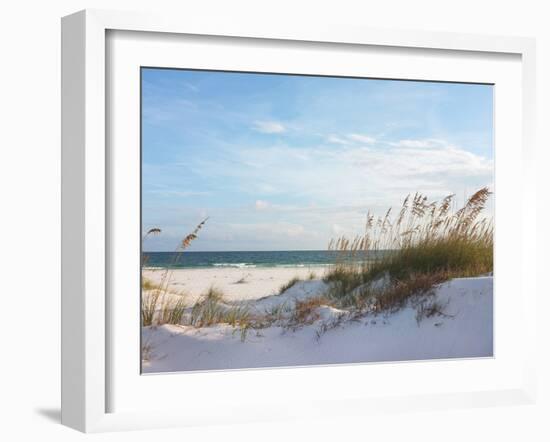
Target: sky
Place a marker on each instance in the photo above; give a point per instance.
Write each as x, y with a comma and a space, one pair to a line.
286, 162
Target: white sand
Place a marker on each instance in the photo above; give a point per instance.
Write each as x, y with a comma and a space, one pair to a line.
258, 282
465, 330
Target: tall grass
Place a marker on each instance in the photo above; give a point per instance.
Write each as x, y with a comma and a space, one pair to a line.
160, 306
288, 285
172, 309
305, 312
425, 244
157, 305
212, 309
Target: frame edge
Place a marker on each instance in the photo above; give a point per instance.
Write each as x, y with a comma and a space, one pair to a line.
83, 324
73, 80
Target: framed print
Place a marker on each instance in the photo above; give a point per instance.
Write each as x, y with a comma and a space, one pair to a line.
319, 216
282, 264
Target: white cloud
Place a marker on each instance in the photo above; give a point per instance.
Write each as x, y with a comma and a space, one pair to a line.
314, 193
261, 205
424, 143
350, 139
267, 230
269, 127
355, 175
362, 138
337, 140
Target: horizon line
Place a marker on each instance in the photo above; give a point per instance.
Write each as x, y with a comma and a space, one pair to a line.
232, 251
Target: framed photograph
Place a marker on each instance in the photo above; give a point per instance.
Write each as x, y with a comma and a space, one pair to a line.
277, 222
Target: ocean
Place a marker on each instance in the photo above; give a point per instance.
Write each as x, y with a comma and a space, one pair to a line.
290, 258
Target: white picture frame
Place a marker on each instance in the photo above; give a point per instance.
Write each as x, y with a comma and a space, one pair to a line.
86, 316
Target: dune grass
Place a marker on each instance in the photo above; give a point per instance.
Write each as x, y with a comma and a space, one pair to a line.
159, 308
212, 309
277, 312
157, 305
397, 258
305, 312
172, 310
147, 284
287, 285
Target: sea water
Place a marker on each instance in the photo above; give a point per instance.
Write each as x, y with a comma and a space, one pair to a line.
288, 258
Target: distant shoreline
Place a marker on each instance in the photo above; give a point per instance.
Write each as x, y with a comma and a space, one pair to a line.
240, 267
237, 251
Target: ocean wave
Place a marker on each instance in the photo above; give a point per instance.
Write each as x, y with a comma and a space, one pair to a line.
240, 265
311, 264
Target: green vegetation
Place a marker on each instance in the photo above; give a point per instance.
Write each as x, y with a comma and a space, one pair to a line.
425, 245
157, 303
288, 285
211, 309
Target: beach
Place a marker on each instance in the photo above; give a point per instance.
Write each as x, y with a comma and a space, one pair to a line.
236, 283
427, 294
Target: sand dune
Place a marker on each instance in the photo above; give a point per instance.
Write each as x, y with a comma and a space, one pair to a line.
464, 330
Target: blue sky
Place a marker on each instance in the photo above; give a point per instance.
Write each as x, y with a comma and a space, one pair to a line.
282, 162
